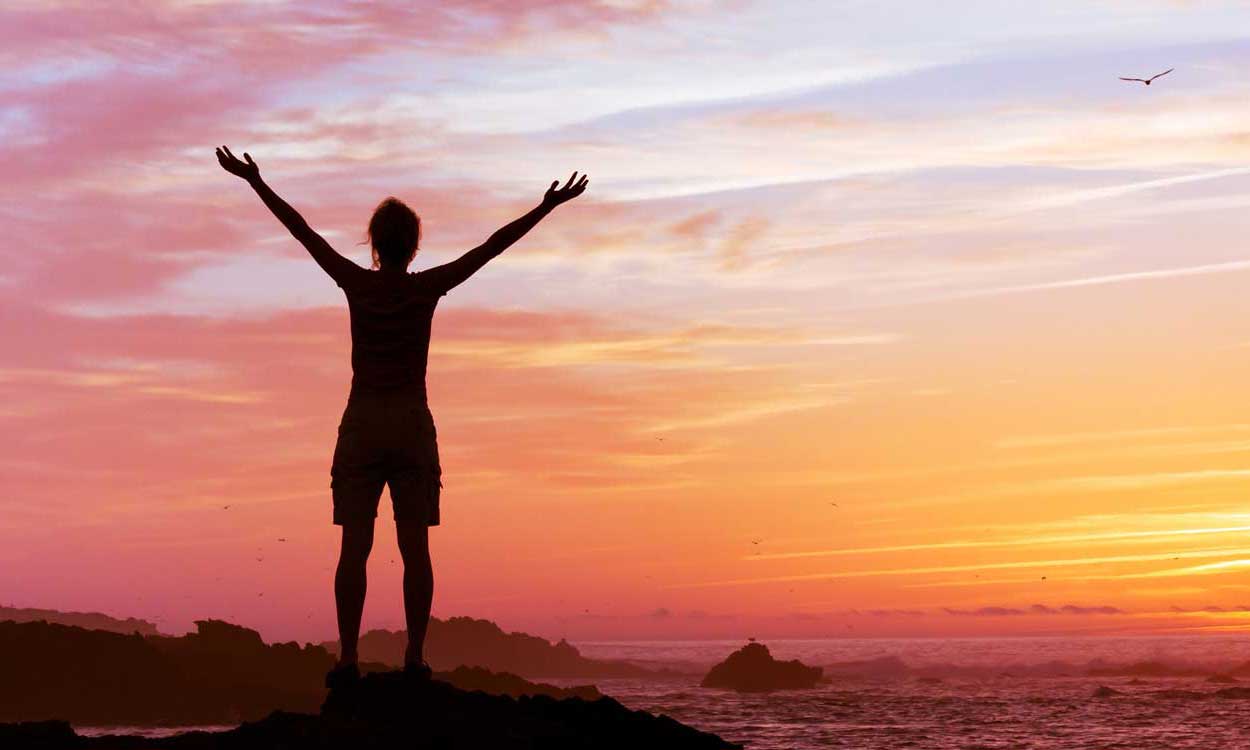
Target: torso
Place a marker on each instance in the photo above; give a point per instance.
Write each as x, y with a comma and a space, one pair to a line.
391, 315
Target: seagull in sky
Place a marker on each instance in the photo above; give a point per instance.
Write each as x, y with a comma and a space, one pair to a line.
1148, 80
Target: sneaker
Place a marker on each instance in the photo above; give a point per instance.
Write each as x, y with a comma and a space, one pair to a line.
343, 676
419, 671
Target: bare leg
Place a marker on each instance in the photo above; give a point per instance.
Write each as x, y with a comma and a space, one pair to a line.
350, 582
414, 547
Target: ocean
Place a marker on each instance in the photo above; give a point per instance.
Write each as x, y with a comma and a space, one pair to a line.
966, 693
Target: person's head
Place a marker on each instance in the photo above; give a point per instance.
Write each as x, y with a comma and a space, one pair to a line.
394, 233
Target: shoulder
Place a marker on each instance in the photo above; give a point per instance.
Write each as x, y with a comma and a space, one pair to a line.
426, 282
351, 276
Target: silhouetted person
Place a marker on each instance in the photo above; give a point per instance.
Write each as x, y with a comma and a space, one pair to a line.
387, 435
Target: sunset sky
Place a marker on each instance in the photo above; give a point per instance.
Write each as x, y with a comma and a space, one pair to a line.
877, 318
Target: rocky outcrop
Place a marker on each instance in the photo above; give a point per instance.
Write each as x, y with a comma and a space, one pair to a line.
481, 643
386, 710
221, 674
504, 683
752, 669
88, 620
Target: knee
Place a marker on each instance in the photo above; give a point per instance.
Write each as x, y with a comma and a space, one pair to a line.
357, 544
414, 543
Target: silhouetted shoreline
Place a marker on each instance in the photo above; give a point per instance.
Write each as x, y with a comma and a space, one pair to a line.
389, 710
221, 674
468, 640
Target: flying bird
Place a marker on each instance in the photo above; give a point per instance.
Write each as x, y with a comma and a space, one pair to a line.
1148, 80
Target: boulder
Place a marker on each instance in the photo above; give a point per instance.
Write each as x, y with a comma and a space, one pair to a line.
752, 669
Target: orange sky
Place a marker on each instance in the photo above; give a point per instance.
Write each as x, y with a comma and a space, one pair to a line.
870, 339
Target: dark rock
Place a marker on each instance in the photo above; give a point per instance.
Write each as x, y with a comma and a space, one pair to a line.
1105, 692
87, 620
38, 735
221, 674
481, 643
1239, 693
504, 683
752, 669
1221, 679
389, 710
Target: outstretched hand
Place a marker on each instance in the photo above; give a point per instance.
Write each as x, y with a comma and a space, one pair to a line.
245, 169
557, 195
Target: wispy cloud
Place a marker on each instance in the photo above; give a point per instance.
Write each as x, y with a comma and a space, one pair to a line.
1017, 564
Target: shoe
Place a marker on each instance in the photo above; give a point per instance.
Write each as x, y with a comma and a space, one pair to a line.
418, 671
343, 676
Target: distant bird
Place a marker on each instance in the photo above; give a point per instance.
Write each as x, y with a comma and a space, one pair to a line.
1043, 578
1148, 80
834, 504
225, 507
281, 539
756, 541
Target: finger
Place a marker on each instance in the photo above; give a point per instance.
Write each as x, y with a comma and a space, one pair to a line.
553, 185
227, 148
248, 158
569, 184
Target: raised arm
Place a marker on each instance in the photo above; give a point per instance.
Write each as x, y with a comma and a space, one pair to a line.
448, 275
327, 257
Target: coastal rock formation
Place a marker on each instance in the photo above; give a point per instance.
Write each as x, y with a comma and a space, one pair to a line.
752, 669
88, 620
481, 643
221, 674
388, 710
505, 683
